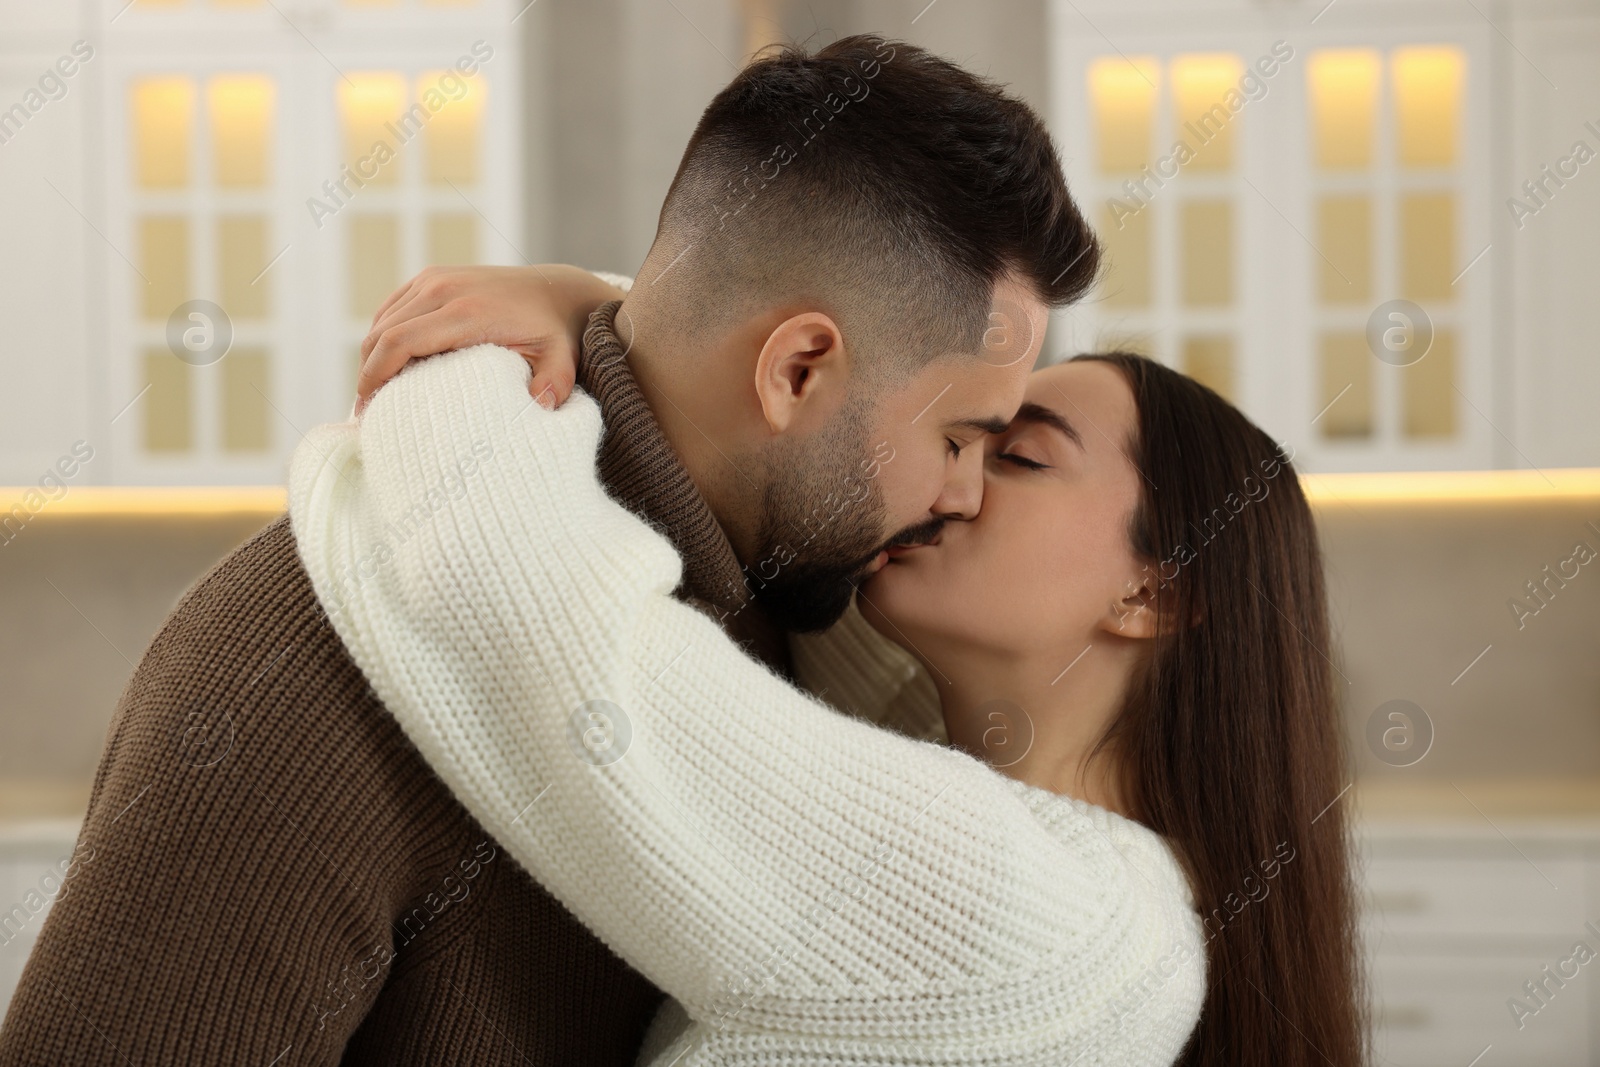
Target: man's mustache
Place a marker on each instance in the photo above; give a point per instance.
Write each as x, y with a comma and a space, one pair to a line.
920, 534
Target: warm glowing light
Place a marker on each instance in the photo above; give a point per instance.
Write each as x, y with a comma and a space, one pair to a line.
163, 115
455, 104
241, 128
1427, 98
1454, 487
121, 501
1344, 106
1124, 96
371, 103
1206, 96
1397, 488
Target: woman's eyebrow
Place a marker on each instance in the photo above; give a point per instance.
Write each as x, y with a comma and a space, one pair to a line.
1039, 415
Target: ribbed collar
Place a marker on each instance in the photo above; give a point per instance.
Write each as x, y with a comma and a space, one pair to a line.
640, 468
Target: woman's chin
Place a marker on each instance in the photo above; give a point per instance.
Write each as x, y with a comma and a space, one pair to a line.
898, 603
870, 606
873, 584
888, 594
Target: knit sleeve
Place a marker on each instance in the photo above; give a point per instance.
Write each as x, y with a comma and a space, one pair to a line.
862, 673
732, 838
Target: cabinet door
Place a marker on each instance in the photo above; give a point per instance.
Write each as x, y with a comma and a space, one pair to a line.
1266, 193
1460, 925
1489, 895
1452, 1010
199, 158
271, 177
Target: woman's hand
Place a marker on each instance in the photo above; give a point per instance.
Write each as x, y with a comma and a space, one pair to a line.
538, 312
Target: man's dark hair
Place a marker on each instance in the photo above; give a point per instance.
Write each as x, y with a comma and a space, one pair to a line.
887, 184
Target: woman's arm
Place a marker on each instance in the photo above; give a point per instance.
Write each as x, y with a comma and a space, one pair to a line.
862, 673
727, 835
538, 312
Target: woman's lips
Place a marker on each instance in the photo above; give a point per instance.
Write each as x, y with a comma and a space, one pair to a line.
894, 552
897, 551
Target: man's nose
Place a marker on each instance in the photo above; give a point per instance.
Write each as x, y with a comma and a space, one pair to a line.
963, 488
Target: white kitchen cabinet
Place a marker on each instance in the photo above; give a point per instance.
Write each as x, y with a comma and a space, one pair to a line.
229, 153
1458, 918
1269, 177
1438, 1010
30, 854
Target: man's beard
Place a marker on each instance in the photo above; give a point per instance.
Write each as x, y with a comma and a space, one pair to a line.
822, 521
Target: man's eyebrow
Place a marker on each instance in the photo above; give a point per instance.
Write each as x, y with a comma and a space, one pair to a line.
989, 424
1039, 415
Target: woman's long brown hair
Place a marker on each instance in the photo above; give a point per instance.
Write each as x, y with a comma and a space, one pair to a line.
1230, 736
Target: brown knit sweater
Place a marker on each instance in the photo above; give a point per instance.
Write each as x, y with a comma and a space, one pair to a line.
270, 874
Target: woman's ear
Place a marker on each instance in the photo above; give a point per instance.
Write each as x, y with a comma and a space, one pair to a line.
1136, 613
800, 356
1148, 606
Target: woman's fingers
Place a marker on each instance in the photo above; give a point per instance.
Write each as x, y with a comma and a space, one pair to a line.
440, 330
398, 293
420, 300
445, 308
552, 374
430, 290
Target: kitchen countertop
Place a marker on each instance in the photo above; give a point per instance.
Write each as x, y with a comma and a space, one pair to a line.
26, 800
1550, 810
1398, 797
1377, 803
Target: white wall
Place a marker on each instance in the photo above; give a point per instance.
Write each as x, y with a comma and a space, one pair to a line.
626, 81
1554, 258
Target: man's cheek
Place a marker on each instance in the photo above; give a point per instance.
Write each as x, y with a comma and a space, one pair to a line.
911, 485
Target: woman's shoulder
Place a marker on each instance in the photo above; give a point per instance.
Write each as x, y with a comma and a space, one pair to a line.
1152, 938
1094, 831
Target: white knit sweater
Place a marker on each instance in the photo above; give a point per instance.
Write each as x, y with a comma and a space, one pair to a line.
807, 887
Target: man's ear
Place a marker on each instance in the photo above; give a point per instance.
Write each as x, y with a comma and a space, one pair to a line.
800, 357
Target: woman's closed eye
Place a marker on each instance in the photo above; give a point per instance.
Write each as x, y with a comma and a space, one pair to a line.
1022, 461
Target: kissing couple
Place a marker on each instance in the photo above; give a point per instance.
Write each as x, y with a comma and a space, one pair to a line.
793, 659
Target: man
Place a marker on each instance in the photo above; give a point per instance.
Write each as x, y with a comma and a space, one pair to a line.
839, 236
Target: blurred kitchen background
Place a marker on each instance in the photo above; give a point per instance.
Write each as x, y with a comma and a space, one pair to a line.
1374, 225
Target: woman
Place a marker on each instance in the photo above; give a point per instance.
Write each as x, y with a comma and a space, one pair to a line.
1160, 830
